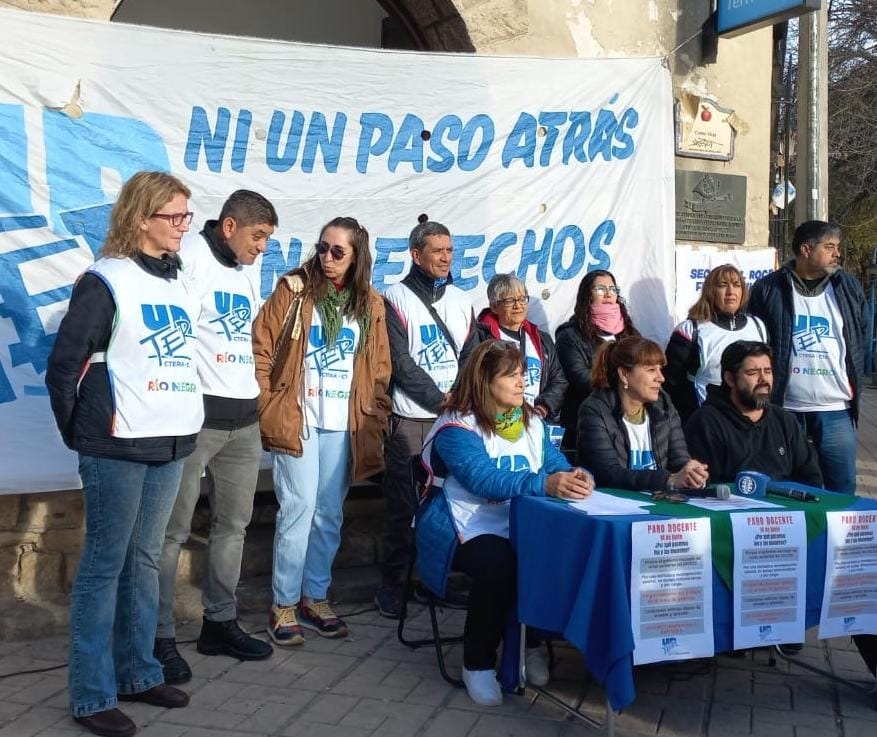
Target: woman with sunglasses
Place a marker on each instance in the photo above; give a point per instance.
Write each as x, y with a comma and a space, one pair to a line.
487, 447
123, 383
629, 433
506, 319
715, 320
600, 315
323, 367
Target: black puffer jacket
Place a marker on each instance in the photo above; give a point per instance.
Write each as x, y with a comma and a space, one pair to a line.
728, 442
772, 299
82, 400
603, 446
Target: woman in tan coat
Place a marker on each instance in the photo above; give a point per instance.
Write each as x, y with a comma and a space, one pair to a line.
323, 366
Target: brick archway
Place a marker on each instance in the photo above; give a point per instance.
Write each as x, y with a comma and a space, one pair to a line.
431, 25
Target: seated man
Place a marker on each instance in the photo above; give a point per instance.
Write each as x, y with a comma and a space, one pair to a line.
737, 428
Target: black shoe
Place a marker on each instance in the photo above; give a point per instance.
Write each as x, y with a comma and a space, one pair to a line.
160, 695
388, 600
109, 723
227, 638
174, 667
791, 648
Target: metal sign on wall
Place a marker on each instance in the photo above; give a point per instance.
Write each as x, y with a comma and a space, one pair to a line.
710, 207
740, 16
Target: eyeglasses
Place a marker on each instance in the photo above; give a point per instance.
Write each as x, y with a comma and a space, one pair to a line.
502, 345
604, 290
336, 252
673, 496
176, 219
512, 301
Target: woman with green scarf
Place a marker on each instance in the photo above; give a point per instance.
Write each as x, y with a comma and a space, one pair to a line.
323, 366
487, 447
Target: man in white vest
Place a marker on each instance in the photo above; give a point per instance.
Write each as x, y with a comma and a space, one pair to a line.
431, 328
816, 317
229, 446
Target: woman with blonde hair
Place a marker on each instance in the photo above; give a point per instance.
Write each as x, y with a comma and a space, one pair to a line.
715, 320
323, 366
124, 389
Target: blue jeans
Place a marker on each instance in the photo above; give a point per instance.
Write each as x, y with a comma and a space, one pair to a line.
115, 595
310, 490
834, 437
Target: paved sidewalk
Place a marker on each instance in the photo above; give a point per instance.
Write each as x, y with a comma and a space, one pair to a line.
368, 684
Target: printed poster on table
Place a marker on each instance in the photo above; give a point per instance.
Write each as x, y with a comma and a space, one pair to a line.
671, 590
849, 604
545, 167
770, 578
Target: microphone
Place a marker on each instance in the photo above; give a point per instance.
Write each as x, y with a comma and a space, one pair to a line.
711, 491
790, 492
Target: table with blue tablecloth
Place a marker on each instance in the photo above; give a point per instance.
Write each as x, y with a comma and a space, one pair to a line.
574, 576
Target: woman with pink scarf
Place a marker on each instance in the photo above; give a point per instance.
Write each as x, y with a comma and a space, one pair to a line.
599, 316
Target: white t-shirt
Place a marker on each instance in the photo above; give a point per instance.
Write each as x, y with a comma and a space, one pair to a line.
642, 456
328, 374
818, 380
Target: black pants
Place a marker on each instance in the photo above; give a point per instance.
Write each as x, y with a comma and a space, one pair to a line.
405, 438
490, 562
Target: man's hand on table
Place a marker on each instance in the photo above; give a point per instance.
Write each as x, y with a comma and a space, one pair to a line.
693, 475
576, 484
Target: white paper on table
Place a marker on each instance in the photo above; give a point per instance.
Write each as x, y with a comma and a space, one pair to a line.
770, 577
601, 503
671, 590
733, 504
849, 601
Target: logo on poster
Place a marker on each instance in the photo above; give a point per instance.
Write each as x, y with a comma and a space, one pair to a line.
849, 624
765, 632
669, 645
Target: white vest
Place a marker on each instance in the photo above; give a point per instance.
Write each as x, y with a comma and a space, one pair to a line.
473, 515
328, 374
818, 380
533, 374
712, 339
151, 358
228, 305
426, 340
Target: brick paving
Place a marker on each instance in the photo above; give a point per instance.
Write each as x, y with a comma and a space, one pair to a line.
369, 684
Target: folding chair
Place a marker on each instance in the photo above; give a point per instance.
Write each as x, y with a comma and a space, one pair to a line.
418, 479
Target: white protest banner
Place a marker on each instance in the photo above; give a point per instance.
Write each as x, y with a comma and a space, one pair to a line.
849, 601
545, 167
671, 590
770, 578
693, 265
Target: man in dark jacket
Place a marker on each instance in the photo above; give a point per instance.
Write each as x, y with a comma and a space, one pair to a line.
816, 317
506, 319
737, 428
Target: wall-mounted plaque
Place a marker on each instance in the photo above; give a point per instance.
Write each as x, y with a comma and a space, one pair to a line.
704, 129
710, 207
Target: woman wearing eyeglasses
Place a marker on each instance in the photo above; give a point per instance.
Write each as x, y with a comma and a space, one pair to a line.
487, 447
600, 315
715, 320
323, 367
629, 433
124, 388
506, 319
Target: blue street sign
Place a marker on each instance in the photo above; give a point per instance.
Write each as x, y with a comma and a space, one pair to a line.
740, 16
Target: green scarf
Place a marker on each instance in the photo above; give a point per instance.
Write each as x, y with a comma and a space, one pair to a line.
510, 425
331, 310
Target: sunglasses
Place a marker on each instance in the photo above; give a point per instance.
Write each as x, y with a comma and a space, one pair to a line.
336, 252
674, 497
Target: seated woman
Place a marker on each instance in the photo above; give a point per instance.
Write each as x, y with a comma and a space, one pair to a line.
629, 433
487, 447
716, 320
506, 319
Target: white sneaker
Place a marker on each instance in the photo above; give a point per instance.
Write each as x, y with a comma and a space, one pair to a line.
483, 687
536, 666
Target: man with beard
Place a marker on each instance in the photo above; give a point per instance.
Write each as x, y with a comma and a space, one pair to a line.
737, 428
